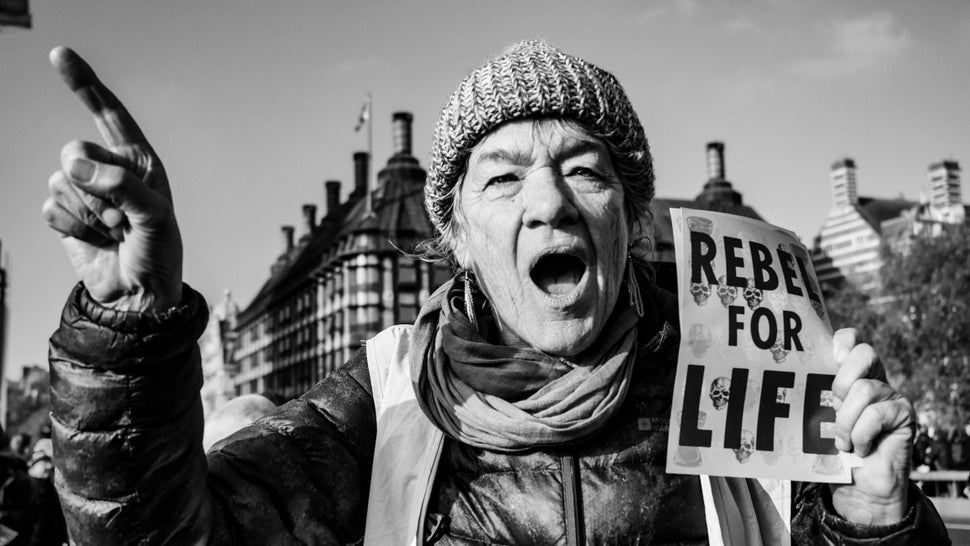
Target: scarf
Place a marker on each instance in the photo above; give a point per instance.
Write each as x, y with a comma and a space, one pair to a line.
511, 398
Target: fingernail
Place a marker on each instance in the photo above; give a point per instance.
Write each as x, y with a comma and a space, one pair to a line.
82, 170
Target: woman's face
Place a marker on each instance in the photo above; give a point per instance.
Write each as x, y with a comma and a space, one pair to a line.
542, 224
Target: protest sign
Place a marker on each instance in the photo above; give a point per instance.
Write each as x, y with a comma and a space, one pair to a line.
753, 392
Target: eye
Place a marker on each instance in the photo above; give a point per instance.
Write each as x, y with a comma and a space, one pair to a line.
585, 172
502, 179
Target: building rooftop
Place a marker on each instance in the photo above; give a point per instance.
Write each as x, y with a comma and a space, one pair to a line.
875, 210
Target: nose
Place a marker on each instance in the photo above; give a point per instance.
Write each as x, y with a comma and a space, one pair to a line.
547, 201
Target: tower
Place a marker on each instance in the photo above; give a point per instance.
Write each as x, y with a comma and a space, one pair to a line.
842, 176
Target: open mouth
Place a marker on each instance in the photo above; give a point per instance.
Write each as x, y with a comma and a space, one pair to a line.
558, 274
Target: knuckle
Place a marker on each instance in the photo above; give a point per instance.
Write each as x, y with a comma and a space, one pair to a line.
842, 381
865, 389
56, 183
74, 148
865, 353
843, 423
49, 210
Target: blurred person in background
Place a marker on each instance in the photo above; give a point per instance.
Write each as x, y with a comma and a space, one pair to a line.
921, 443
936, 456
960, 446
20, 444
51, 525
234, 415
19, 503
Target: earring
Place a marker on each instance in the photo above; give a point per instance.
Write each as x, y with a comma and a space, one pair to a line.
633, 287
469, 302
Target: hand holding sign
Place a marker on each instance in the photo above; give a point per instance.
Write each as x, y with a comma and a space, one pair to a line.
876, 423
796, 418
113, 206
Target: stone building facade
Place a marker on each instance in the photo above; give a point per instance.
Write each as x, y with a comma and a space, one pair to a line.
343, 281
216, 345
850, 245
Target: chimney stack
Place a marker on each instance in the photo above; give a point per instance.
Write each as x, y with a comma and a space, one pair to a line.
287, 232
360, 173
309, 218
715, 161
333, 195
401, 132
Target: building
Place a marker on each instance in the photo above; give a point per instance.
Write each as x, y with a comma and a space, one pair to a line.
717, 195
3, 342
344, 280
216, 346
944, 205
850, 244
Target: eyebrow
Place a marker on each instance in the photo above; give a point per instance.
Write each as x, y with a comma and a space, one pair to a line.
575, 147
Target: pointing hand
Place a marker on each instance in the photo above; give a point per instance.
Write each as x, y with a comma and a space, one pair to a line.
112, 205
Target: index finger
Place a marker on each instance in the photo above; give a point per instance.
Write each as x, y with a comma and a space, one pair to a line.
115, 123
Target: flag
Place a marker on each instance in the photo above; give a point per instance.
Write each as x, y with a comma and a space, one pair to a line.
364, 116
14, 13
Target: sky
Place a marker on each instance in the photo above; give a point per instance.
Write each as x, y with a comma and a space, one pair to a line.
252, 106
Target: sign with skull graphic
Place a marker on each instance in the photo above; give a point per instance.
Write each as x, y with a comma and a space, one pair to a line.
759, 405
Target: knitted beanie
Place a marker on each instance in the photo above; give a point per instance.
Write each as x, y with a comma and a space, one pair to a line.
533, 79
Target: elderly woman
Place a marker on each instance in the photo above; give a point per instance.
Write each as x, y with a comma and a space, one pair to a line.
509, 413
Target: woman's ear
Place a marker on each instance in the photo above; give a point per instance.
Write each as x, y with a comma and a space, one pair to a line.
458, 236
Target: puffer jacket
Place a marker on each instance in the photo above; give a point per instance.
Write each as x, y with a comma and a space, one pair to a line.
130, 467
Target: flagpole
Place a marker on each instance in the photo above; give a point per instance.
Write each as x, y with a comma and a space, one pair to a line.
370, 152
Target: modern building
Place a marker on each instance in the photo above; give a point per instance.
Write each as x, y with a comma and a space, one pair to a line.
343, 281
850, 244
717, 195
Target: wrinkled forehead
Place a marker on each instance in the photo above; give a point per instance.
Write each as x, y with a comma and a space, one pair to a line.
520, 141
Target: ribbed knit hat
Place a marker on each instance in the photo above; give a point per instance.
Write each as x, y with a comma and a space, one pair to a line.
532, 79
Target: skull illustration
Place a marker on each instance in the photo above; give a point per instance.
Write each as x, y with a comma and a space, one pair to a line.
778, 351
771, 457
753, 295
699, 339
727, 293
752, 393
701, 292
700, 225
720, 392
784, 395
696, 223
817, 306
828, 465
788, 257
826, 399
689, 455
744, 452
777, 299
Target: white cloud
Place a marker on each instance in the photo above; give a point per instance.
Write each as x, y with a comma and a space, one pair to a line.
366, 65
746, 91
653, 13
856, 45
685, 8
742, 24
